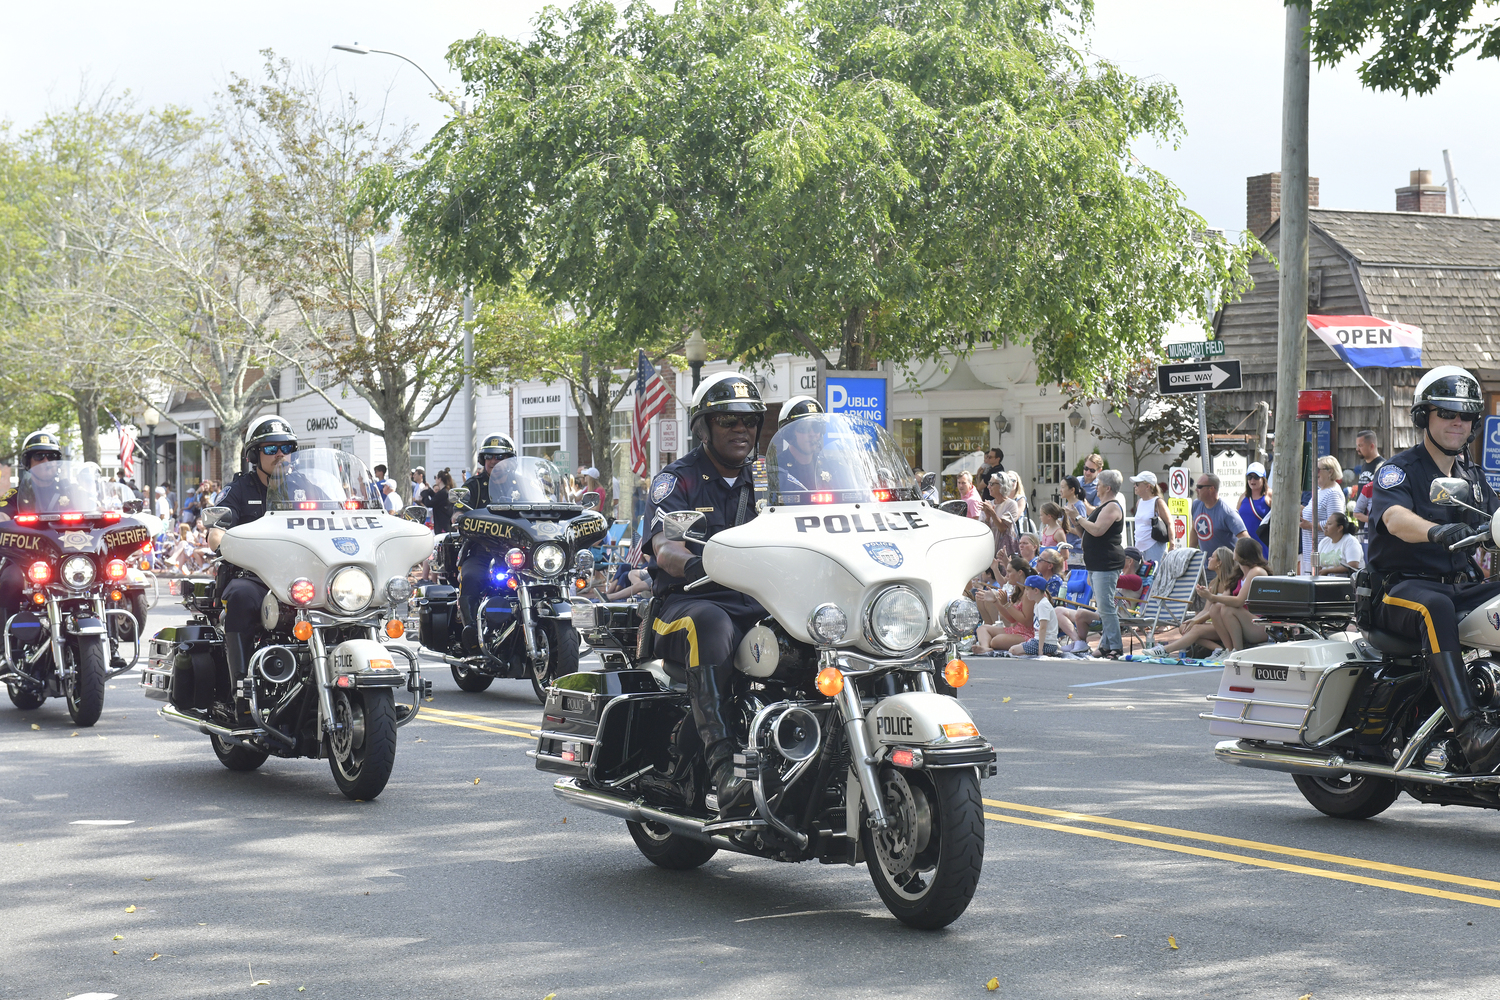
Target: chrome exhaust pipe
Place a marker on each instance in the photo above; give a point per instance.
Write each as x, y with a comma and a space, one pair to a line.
1294, 761
208, 728
569, 790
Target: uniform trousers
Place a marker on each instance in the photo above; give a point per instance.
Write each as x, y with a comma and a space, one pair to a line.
704, 631
242, 598
1428, 610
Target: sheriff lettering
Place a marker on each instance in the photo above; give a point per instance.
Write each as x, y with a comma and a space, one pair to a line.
128, 536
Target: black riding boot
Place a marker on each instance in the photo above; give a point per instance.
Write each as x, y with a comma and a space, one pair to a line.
1479, 740
708, 715
238, 648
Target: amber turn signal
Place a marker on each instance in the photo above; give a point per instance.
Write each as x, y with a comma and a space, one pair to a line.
830, 681
394, 628
302, 630
960, 730
956, 673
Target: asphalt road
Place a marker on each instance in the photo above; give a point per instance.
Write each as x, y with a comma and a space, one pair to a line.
1112, 835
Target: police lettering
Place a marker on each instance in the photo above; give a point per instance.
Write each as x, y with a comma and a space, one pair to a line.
839, 524
893, 725
357, 523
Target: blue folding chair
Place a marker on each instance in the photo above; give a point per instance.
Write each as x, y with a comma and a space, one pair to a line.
1079, 590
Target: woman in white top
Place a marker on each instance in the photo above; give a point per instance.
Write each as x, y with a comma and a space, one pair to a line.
1339, 552
1148, 506
1326, 500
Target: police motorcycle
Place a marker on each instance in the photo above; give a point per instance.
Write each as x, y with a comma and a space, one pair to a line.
518, 553
70, 534
854, 752
322, 680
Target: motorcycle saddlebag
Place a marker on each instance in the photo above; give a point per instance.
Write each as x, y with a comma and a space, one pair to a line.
1287, 692
570, 719
437, 610
1301, 597
183, 666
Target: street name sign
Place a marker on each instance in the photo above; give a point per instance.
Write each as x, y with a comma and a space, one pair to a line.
1196, 349
1201, 376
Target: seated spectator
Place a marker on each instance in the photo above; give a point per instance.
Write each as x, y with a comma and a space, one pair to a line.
1028, 547
1044, 621
1047, 570
1065, 558
1132, 585
1014, 626
1339, 552
1224, 621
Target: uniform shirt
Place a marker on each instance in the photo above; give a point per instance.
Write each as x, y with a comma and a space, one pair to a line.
46, 498
1404, 481
245, 497
479, 490
694, 483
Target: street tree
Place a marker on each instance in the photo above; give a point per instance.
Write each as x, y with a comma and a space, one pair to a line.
1407, 45
1130, 412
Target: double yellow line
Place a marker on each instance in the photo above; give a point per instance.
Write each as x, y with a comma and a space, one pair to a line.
1069, 819
484, 723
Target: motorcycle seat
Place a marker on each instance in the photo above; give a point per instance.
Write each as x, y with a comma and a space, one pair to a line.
675, 670
1393, 644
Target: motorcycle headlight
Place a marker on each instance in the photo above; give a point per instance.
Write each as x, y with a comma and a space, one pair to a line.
397, 589
549, 559
351, 589
896, 620
77, 571
828, 624
960, 618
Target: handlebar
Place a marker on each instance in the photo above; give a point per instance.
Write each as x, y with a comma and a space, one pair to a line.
1464, 543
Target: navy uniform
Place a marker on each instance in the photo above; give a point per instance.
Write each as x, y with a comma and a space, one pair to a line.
44, 498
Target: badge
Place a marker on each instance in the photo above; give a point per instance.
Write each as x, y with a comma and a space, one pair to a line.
662, 486
1390, 476
548, 529
348, 546
299, 494
1495, 620
885, 553
79, 540
8, 494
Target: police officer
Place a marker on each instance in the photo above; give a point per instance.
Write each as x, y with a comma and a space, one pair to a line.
1426, 585
797, 454
38, 448
491, 450
702, 627
268, 443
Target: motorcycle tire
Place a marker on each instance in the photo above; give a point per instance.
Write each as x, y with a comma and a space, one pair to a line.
24, 698
946, 845
669, 850
470, 680
361, 758
562, 658
237, 758
139, 607
1351, 796
85, 693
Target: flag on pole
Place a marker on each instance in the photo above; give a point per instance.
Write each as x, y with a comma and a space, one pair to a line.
1369, 342
127, 449
651, 395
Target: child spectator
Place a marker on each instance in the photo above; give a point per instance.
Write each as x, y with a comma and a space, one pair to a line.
1043, 620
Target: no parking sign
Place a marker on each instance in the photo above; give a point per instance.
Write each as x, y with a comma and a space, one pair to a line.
1179, 501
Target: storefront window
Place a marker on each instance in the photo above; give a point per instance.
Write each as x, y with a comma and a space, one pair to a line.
909, 440
541, 437
961, 437
190, 457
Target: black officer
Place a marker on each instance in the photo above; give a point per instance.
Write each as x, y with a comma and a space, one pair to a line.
702, 627
1426, 585
491, 450
797, 456
39, 447
268, 442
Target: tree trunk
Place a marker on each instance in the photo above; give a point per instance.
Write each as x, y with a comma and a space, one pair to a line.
852, 353
598, 427
397, 436
88, 423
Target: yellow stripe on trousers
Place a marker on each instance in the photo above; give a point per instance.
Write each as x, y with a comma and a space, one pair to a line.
667, 628
1420, 609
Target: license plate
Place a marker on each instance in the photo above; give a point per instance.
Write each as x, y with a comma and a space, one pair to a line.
1270, 673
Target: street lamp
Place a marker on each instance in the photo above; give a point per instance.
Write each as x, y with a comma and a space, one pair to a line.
697, 353
361, 50
150, 418
1077, 419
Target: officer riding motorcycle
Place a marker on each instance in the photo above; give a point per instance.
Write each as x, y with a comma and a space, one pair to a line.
703, 626
1428, 584
39, 447
491, 450
800, 447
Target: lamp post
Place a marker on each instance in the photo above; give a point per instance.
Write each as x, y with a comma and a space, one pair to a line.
471, 428
696, 349
150, 418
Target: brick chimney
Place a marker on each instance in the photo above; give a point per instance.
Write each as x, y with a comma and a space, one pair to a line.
1263, 201
1421, 195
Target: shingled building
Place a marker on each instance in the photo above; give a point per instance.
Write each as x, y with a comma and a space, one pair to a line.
1435, 271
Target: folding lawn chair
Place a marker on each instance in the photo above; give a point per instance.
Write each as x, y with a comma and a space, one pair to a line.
1167, 602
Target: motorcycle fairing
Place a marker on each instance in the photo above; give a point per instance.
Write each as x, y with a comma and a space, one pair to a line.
53, 539
917, 718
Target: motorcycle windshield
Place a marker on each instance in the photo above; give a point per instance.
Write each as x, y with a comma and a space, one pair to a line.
524, 479
321, 479
68, 488
836, 458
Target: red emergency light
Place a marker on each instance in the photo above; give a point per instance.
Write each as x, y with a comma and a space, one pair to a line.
1312, 403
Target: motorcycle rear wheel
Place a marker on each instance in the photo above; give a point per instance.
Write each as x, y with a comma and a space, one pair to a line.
936, 845
1351, 796
669, 850
237, 758
24, 698
363, 753
468, 679
85, 692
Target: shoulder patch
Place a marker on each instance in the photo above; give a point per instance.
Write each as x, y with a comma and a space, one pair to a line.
8, 494
1390, 476
662, 486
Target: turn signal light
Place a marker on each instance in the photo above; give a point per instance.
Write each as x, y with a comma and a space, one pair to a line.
959, 730
39, 572
515, 559
302, 630
956, 673
903, 758
394, 628
116, 595
830, 681
38, 598
344, 681
302, 591
114, 569
511, 583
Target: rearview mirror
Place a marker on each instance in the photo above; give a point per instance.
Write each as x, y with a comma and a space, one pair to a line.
460, 494
959, 507
591, 500
416, 512
134, 506
213, 515
1450, 492
929, 480
584, 564
680, 525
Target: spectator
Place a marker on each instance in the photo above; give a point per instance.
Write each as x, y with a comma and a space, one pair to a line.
163, 507
994, 461
1044, 620
1049, 569
1104, 557
436, 499
1243, 629
1362, 515
589, 481
1368, 445
1214, 525
1325, 500
418, 484
1204, 626
389, 498
1255, 503
1052, 533
1003, 511
377, 485
1075, 508
1064, 557
1150, 509
1029, 547
1132, 583
1339, 552
1014, 626
1092, 466
968, 494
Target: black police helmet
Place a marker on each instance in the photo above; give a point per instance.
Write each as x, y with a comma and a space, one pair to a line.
40, 444
270, 429
798, 406
495, 446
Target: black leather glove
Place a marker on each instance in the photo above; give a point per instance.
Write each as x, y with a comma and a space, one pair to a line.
1447, 534
694, 569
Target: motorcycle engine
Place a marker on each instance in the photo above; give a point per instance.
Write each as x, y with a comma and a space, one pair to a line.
1484, 675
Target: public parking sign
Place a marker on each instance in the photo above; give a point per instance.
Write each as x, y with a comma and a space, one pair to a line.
1489, 451
858, 396
1203, 376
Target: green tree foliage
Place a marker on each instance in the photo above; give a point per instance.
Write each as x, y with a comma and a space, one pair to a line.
824, 176
1416, 42
1135, 417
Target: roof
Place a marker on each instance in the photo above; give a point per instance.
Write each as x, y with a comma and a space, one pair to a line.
1421, 238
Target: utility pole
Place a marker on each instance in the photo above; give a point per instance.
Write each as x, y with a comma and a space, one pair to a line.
1452, 184
1291, 328
1208, 460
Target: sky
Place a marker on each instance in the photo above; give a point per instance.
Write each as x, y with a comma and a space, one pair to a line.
1223, 56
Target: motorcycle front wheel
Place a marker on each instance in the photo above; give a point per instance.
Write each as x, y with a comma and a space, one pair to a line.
562, 657
1350, 796
362, 750
926, 864
85, 692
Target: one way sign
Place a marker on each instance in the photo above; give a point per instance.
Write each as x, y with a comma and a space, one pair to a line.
1203, 376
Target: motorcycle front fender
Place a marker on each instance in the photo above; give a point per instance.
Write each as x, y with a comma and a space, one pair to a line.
87, 626
920, 719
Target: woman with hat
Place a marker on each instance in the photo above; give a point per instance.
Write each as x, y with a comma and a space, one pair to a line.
1255, 504
1149, 506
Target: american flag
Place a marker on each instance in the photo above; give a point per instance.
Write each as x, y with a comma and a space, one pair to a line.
651, 396
127, 448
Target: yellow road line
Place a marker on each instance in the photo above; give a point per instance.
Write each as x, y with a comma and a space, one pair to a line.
424, 716
480, 718
1254, 845
1243, 859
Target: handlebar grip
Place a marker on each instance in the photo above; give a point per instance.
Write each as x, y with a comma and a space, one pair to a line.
1464, 543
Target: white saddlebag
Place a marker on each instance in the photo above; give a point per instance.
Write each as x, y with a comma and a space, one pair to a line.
1289, 692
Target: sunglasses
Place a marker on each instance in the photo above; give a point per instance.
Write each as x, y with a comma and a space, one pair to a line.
277, 449
1251, 475
1090, 468
1204, 486
729, 421
1467, 418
